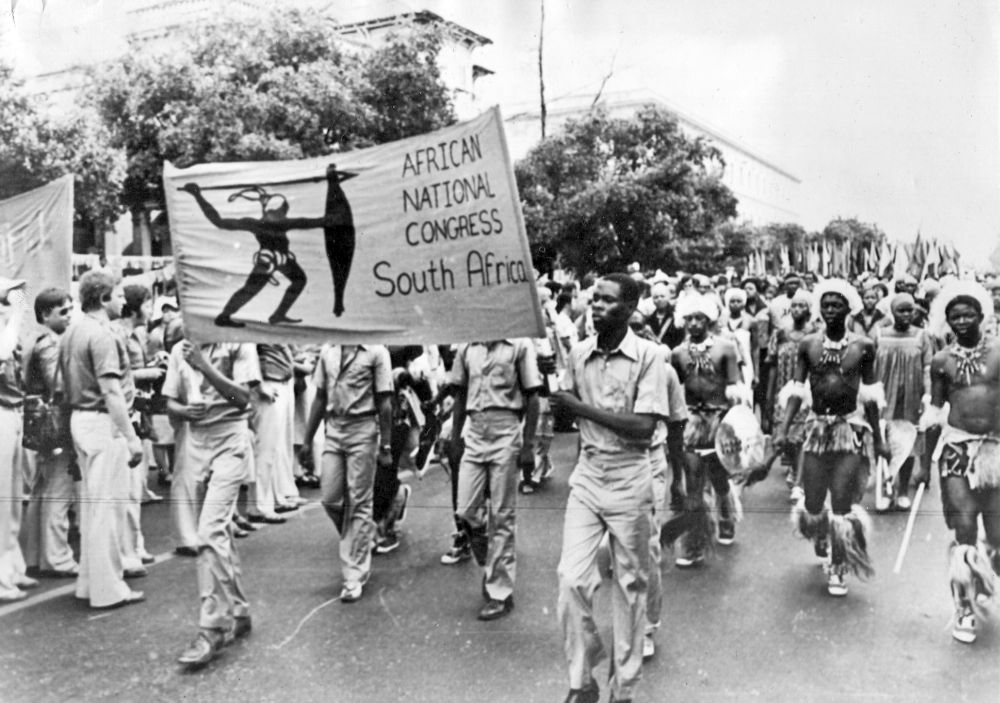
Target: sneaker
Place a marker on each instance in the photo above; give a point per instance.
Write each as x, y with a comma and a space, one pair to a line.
883, 504
351, 592
689, 558
459, 552
836, 585
387, 543
965, 626
727, 532
904, 503
403, 497
527, 487
648, 646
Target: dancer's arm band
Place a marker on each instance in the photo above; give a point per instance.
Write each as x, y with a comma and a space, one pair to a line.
872, 393
932, 416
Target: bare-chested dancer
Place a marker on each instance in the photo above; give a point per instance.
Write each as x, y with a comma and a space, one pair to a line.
274, 255
707, 366
967, 376
839, 436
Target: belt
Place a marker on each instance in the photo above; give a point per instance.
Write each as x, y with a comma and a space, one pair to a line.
494, 408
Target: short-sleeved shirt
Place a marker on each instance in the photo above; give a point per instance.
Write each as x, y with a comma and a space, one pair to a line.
11, 382
632, 378
41, 367
185, 384
90, 349
352, 375
496, 374
676, 402
276, 362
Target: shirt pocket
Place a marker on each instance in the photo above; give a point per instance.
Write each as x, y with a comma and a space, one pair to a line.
616, 393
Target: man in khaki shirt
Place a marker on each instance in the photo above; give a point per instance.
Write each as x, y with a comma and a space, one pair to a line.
496, 384
615, 385
354, 396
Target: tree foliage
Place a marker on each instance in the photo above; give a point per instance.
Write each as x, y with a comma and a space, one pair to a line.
282, 86
608, 191
36, 148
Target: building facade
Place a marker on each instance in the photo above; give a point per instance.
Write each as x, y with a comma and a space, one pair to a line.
766, 192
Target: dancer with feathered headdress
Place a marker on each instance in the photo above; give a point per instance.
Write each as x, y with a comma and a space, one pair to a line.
966, 375
707, 366
841, 433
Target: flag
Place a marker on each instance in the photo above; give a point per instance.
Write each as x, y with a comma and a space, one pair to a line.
932, 264
419, 241
36, 241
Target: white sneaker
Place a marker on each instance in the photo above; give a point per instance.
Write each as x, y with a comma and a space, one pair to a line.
883, 504
965, 626
904, 503
836, 586
648, 646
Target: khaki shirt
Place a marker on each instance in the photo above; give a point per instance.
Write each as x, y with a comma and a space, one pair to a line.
183, 383
496, 374
90, 349
630, 379
351, 375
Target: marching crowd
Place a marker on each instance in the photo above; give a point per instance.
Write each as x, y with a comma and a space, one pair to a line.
684, 390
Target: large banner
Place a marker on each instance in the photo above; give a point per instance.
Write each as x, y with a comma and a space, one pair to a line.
36, 240
414, 242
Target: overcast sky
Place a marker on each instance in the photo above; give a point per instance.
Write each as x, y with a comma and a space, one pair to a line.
887, 111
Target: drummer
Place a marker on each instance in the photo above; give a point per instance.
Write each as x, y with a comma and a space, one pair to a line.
707, 365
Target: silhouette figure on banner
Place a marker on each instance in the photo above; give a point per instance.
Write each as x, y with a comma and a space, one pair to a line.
274, 255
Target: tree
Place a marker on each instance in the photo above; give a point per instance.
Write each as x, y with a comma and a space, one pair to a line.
609, 191
280, 86
36, 149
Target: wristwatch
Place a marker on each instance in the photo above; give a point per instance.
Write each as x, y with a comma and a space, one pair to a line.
385, 447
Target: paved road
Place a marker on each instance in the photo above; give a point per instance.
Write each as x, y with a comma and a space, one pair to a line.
754, 624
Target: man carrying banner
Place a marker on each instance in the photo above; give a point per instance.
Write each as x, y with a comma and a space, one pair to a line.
354, 397
95, 367
208, 386
494, 417
966, 375
614, 385
840, 440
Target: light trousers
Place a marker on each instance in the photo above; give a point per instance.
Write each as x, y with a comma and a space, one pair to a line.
44, 532
613, 495
223, 449
347, 488
102, 454
12, 566
492, 441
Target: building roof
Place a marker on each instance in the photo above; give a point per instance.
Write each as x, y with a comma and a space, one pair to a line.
569, 105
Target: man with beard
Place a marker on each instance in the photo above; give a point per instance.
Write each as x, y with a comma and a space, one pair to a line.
839, 438
967, 376
614, 386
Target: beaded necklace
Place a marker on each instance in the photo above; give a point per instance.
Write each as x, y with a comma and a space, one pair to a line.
832, 351
701, 359
969, 361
